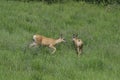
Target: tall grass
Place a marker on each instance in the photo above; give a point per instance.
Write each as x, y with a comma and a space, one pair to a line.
106, 2
98, 27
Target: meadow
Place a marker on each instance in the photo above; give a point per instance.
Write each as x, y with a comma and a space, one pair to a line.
97, 25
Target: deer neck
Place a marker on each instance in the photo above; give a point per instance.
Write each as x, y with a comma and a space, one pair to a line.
57, 41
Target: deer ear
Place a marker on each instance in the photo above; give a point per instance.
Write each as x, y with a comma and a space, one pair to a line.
76, 35
73, 34
61, 35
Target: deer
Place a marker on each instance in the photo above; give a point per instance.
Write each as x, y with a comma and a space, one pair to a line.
45, 41
78, 44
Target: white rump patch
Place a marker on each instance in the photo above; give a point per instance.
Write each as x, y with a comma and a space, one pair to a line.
34, 37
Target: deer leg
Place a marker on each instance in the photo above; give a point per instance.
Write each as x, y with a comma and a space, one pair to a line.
78, 51
81, 49
32, 45
54, 49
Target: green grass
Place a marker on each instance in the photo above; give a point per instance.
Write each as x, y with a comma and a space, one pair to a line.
98, 26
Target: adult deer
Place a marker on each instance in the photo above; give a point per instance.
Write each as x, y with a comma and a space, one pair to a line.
45, 41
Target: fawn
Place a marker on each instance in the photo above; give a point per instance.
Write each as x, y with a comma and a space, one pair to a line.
78, 44
45, 41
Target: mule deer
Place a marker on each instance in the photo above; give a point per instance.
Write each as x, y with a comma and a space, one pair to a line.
78, 44
45, 41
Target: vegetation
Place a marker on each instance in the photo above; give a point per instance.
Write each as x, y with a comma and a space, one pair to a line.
98, 26
63, 1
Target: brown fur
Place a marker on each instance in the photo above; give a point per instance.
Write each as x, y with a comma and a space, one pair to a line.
78, 44
50, 42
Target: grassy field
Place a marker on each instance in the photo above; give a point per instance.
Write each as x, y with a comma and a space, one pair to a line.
98, 26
